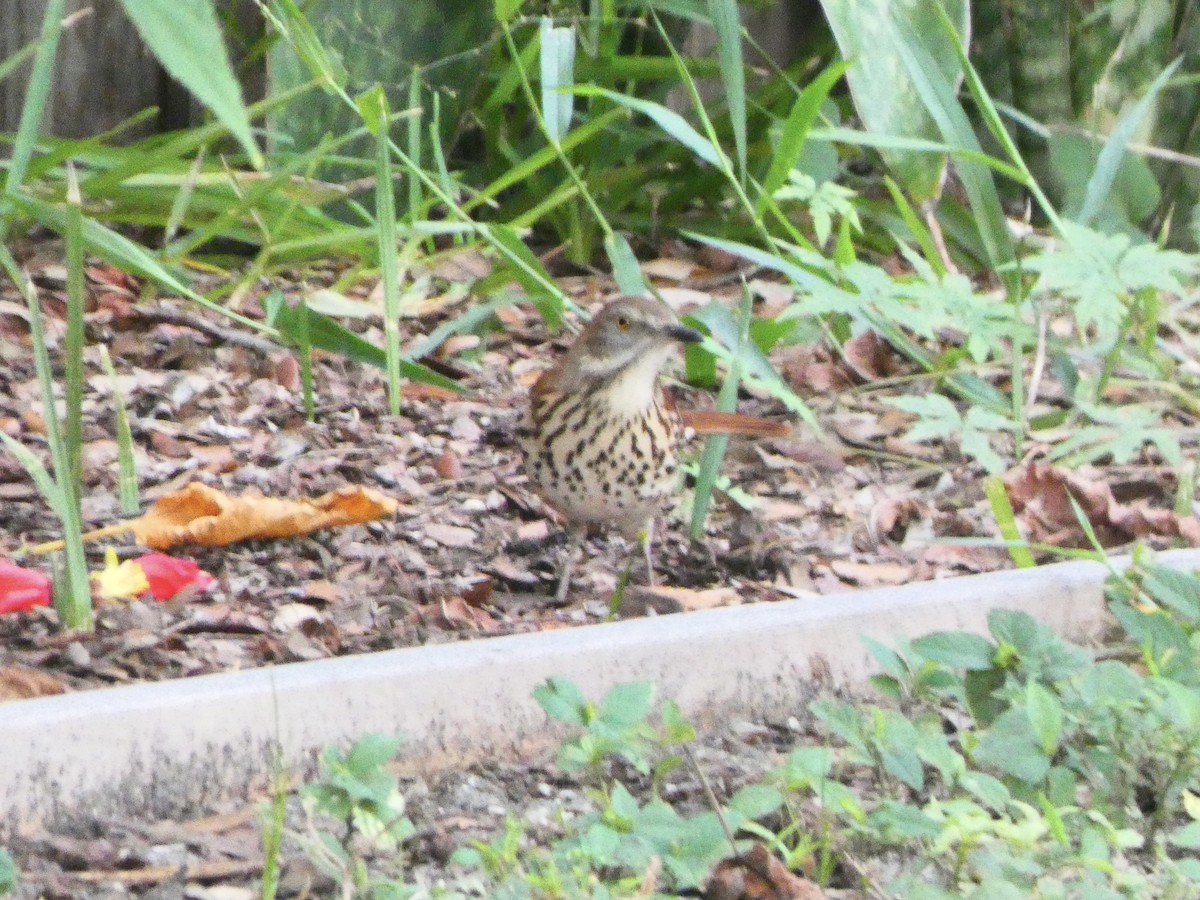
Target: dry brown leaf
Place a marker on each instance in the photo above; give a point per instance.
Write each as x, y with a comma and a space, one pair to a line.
662, 600
455, 612
869, 357
21, 683
325, 591
1040, 493
448, 465
451, 535
537, 530
199, 514
758, 875
711, 598
668, 268
871, 574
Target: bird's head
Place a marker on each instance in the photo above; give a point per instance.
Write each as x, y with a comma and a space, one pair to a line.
629, 335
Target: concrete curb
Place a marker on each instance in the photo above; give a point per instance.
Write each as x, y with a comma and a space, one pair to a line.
170, 748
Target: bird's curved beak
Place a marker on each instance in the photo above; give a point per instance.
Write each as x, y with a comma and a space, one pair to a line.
684, 335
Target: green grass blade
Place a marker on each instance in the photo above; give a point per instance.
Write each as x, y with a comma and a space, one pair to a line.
941, 101
378, 118
127, 483
725, 21
625, 268
37, 93
183, 197
328, 335
124, 254
304, 346
186, 38
920, 231
1002, 511
714, 447
73, 342
557, 61
668, 120
1101, 182
795, 131
413, 134
74, 602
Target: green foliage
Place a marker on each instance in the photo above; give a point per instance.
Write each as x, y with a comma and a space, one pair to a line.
1102, 278
187, 40
1072, 779
9, 876
1063, 776
356, 790
618, 726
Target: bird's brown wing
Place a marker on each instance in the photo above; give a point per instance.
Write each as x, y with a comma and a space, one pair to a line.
709, 421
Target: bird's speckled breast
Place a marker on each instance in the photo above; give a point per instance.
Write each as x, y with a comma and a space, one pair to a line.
600, 462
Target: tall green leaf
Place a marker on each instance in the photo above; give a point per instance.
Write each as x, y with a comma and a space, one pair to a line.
186, 39
872, 41
724, 16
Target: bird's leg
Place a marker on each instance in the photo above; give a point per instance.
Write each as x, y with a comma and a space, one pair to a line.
646, 539
575, 538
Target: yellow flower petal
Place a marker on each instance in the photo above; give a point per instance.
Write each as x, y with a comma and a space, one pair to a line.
120, 581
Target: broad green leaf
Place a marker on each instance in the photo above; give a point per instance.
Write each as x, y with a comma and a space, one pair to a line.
1187, 837
905, 765
980, 687
808, 765
1012, 747
891, 661
9, 875
871, 41
756, 800
989, 791
562, 700
557, 59
627, 704
625, 268
373, 751
1045, 714
1173, 588
186, 39
957, 649
904, 820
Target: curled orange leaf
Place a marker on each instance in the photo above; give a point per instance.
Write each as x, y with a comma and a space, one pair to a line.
199, 514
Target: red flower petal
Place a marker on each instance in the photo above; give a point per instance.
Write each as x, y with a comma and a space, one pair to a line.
168, 575
22, 589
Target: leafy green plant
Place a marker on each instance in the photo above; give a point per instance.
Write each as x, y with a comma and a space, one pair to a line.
617, 726
624, 835
356, 790
999, 806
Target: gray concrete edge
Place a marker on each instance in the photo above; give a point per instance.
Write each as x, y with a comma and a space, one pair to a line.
171, 748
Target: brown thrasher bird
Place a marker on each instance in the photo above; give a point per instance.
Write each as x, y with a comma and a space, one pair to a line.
600, 437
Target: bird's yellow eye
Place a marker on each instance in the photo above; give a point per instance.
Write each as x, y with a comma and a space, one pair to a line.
622, 323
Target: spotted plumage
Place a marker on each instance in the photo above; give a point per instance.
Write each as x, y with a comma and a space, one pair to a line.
599, 437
